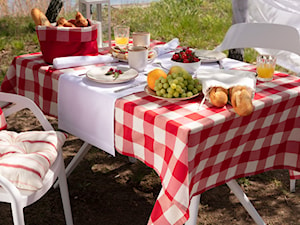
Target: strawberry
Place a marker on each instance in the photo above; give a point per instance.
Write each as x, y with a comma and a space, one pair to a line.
186, 55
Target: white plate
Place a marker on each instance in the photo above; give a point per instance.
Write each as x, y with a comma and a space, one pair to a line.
209, 55
98, 75
122, 56
149, 91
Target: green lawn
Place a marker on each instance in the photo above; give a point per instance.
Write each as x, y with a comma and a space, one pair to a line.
198, 24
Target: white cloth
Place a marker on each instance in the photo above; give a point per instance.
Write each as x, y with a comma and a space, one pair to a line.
168, 47
75, 61
86, 108
226, 79
239, 11
281, 12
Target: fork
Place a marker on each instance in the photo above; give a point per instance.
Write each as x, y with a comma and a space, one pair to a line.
160, 65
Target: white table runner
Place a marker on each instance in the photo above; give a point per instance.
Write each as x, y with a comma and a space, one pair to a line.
86, 108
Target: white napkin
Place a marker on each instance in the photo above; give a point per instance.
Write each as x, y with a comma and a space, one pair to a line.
75, 61
169, 46
226, 79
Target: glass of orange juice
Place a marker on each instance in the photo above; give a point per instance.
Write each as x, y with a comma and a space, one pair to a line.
121, 36
265, 67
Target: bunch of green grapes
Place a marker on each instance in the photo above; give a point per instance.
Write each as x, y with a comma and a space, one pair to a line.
177, 85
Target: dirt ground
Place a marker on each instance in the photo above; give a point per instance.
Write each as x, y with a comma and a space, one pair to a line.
106, 190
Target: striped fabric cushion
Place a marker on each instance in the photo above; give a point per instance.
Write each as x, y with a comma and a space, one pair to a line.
3, 124
26, 157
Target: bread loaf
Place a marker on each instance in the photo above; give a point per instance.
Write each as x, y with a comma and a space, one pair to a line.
39, 17
218, 96
80, 20
241, 100
62, 22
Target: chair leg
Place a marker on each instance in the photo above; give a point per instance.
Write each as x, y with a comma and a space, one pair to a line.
63, 186
193, 210
17, 213
78, 157
292, 185
75, 161
99, 11
109, 24
237, 190
88, 11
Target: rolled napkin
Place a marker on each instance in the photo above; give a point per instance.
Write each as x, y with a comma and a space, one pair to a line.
75, 61
168, 47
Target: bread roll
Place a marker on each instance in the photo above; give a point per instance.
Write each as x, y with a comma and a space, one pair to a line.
39, 17
62, 22
218, 96
241, 100
80, 20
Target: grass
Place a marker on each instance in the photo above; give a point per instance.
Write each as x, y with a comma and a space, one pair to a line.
199, 24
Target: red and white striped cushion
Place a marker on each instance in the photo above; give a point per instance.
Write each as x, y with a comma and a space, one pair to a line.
3, 124
26, 157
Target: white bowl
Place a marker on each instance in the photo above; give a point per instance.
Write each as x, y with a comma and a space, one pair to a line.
190, 67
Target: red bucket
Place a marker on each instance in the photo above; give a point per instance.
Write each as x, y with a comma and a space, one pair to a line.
67, 41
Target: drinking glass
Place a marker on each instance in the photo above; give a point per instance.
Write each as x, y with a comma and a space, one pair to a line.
121, 36
265, 67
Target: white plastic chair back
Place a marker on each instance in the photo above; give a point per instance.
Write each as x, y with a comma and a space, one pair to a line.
279, 12
261, 35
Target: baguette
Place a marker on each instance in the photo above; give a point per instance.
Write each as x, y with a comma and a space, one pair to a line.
241, 100
218, 96
39, 17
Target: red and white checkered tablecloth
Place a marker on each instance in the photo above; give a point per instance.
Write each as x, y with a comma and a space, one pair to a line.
30, 76
195, 150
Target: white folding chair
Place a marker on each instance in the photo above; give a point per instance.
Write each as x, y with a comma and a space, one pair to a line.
22, 197
266, 38
263, 36
99, 22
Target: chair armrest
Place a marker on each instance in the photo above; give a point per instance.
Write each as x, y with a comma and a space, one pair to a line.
20, 102
9, 188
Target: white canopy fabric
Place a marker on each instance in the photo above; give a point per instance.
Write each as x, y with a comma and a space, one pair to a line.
281, 12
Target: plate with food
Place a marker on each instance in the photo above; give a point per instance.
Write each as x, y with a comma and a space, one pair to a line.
122, 54
111, 74
152, 93
209, 55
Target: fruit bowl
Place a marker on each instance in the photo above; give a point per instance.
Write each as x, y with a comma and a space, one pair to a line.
152, 93
190, 67
186, 59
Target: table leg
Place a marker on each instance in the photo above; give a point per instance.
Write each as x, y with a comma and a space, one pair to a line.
237, 190
193, 210
77, 158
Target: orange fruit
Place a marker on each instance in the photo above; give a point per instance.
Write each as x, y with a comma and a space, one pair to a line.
153, 75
